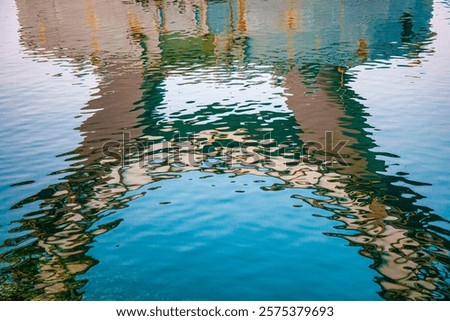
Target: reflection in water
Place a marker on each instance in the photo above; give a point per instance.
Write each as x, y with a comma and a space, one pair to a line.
239, 86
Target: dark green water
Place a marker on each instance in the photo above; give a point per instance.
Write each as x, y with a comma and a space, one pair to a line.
224, 150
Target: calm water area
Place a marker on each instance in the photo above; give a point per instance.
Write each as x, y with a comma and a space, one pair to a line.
225, 150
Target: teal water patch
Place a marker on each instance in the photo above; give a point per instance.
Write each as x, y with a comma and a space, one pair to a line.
212, 243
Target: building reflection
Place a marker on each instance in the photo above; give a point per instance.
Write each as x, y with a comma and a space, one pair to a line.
304, 47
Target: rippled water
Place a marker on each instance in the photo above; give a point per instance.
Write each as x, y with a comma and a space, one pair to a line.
224, 150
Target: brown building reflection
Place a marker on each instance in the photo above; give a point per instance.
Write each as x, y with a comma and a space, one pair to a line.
135, 47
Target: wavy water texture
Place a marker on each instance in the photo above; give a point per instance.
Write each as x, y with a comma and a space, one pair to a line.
224, 150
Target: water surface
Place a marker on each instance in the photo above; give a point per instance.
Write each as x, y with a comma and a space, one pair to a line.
224, 150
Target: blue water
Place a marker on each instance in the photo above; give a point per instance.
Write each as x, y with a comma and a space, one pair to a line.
187, 150
216, 243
